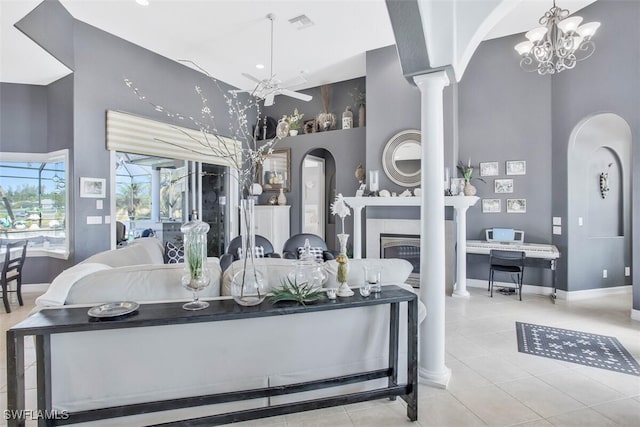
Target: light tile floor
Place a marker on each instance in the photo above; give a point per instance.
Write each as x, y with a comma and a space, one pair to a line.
491, 383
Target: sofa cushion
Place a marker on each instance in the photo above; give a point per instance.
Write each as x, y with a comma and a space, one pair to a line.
140, 251
394, 271
258, 250
275, 269
140, 283
173, 254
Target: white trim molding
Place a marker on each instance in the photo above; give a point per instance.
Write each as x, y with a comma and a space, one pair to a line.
526, 289
635, 315
593, 293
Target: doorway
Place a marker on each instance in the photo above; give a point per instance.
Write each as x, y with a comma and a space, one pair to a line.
313, 195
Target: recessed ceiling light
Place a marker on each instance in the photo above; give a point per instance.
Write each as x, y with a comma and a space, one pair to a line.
301, 22
143, 2
259, 66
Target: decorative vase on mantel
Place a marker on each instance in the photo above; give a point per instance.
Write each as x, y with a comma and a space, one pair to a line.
469, 189
248, 285
196, 274
343, 267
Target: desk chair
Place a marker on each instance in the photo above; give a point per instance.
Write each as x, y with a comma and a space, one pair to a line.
12, 270
508, 262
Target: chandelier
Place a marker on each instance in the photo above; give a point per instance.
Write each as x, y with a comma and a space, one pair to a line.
558, 44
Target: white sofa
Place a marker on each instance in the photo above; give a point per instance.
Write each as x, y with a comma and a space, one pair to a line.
124, 366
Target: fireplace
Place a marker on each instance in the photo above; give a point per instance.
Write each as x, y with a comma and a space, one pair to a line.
404, 246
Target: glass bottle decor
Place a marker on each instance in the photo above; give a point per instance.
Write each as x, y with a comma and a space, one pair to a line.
248, 285
343, 267
196, 275
307, 269
347, 118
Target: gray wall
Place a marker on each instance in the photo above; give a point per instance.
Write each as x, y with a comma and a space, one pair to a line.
23, 122
606, 82
100, 63
505, 114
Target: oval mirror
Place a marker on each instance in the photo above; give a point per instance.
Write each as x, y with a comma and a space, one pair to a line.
401, 158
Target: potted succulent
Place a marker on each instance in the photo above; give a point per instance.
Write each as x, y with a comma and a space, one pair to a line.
295, 122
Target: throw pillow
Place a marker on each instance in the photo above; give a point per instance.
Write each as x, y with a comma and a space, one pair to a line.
173, 254
258, 250
317, 252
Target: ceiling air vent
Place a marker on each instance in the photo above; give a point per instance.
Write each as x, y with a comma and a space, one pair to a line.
301, 22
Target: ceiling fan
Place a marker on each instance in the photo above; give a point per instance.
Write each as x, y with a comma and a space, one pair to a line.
267, 89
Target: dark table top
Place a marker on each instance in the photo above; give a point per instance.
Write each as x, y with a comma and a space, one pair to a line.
74, 319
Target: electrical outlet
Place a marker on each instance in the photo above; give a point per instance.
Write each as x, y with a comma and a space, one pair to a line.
604, 274
627, 271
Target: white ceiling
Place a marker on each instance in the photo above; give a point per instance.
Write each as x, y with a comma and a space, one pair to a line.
230, 37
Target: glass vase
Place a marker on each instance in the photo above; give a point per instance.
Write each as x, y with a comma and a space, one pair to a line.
196, 275
343, 267
248, 285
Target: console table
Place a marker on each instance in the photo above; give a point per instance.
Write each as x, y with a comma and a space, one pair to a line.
48, 322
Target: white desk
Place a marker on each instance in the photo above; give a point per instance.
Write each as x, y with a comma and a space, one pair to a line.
460, 205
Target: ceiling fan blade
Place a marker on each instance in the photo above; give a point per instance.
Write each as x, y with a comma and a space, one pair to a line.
268, 100
297, 95
250, 77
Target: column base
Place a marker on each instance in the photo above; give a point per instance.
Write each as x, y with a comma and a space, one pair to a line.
460, 293
434, 379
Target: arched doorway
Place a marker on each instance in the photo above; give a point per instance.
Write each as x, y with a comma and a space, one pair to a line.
599, 203
318, 190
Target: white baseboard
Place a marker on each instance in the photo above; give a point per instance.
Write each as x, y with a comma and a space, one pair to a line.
593, 293
526, 289
560, 294
635, 314
40, 288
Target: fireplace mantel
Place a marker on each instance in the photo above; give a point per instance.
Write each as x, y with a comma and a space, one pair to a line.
460, 205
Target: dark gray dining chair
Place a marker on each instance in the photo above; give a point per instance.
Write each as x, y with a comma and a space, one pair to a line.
12, 271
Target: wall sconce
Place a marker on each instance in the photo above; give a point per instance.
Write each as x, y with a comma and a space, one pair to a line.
604, 183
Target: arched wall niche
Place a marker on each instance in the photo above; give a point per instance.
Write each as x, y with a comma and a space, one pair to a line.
599, 229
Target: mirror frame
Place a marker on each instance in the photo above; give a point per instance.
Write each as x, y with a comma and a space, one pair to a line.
388, 163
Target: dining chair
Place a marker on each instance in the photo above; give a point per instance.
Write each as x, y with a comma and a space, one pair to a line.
12, 270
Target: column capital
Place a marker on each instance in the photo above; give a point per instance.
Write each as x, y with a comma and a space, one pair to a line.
439, 79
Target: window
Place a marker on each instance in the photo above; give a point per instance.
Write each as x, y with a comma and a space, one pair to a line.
33, 188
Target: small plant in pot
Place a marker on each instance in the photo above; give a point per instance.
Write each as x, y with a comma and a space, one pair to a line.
295, 122
467, 173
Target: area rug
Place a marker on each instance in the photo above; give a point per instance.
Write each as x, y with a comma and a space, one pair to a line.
598, 351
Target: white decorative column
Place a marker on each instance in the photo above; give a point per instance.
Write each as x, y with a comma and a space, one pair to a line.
431, 367
461, 243
155, 194
357, 231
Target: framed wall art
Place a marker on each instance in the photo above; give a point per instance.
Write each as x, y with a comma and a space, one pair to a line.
491, 205
489, 169
516, 205
95, 188
502, 186
516, 167
275, 171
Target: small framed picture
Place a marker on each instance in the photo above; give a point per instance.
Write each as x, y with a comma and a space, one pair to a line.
95, 188
516, 167
516, 205
489, 169
491, 205
503, 185
457, 186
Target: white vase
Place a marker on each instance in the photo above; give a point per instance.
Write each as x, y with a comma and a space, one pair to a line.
293, 132
282, 199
